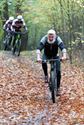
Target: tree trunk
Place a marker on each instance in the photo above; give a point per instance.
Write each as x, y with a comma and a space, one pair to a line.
5, 11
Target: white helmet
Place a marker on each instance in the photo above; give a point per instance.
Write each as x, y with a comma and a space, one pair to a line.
19, 17
51, 32
11, 18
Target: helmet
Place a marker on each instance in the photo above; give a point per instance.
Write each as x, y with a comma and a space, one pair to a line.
51, 34
11, 18
19, 17
51, 31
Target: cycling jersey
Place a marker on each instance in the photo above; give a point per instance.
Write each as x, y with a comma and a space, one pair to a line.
7, 25
17, 25
51, 50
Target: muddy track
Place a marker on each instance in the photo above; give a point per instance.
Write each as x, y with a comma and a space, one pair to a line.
25, 98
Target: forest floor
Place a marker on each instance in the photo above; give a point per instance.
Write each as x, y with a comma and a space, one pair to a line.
25, 98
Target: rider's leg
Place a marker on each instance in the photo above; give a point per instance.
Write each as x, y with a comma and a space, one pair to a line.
58, 79
58, 71
44, 67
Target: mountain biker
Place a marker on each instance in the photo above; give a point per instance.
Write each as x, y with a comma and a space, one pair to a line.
50, 43
17, 26
7, 27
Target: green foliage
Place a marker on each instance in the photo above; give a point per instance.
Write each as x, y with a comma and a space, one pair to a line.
65, 16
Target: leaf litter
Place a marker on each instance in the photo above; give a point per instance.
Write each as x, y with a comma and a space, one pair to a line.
25, 98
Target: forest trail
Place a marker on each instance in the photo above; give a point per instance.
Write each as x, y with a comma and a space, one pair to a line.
25, 98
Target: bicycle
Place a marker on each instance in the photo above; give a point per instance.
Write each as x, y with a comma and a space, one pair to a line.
7, 40
17, 46
53, 78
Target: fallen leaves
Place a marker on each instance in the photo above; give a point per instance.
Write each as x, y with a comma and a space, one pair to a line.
25, 99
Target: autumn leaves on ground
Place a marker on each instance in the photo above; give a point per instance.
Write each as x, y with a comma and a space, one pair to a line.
25, 98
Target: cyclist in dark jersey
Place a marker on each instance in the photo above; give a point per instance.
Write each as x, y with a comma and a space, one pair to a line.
17, 25
50, 43
7, 27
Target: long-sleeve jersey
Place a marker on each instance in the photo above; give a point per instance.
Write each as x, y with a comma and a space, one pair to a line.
17, 25
7, 25
51, 50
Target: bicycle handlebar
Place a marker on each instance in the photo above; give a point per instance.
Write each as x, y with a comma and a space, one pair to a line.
8, 31
20, 32
51, 60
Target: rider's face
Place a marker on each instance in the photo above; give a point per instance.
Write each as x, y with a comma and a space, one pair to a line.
51, 37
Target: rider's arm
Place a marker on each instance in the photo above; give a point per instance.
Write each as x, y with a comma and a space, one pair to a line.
42, 43
13, 25
24, 25
62, 47
40, 47
5, 25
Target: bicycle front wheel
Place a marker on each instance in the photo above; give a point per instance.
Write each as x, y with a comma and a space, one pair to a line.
6, 43
52, 84
18, 47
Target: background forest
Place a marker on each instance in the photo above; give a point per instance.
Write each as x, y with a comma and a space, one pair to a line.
65, 16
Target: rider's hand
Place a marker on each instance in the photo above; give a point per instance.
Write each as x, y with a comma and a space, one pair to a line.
63, 58
26, 28
38, 56
39, 60
7, 30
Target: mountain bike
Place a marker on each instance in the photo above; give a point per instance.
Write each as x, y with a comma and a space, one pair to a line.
17, 46
53, 78
7, 40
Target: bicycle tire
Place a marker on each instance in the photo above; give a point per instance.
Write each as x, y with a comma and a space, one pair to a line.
53, 86
5, 46
6, 43
18, 47
13, 50
55, 80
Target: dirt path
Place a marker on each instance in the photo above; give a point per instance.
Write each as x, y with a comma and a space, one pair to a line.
25, 98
